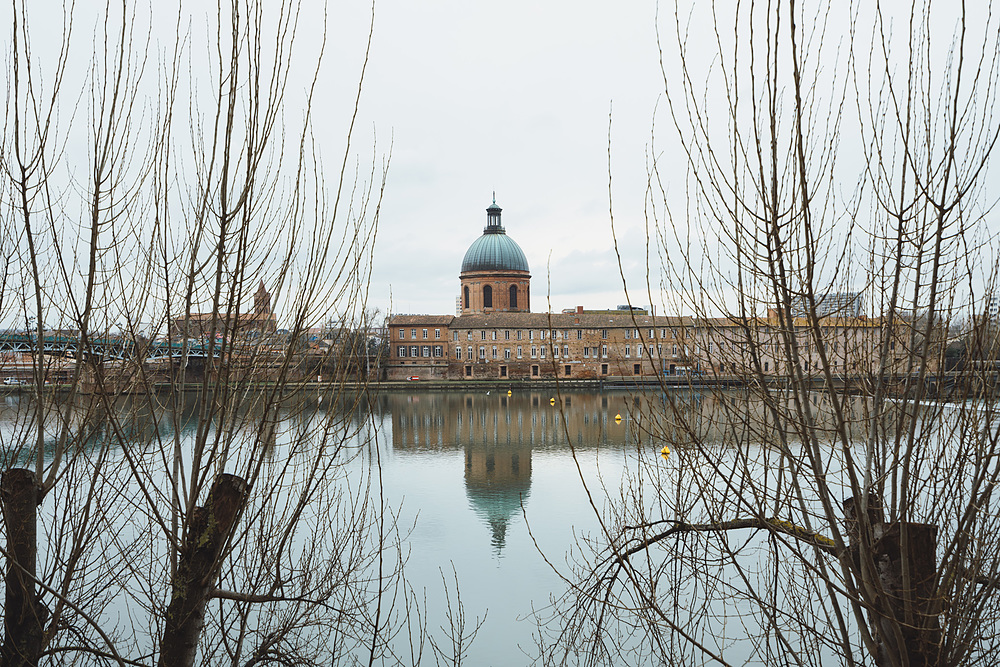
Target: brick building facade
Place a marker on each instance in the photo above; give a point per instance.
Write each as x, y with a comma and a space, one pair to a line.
260, 321
580, 345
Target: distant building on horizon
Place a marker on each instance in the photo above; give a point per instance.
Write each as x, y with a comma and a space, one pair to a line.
993, 308
496, 336
259, 321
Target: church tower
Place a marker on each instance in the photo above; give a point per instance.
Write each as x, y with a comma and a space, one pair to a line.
262, 301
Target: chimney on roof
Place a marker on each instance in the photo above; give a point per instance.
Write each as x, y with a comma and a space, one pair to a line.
579, 310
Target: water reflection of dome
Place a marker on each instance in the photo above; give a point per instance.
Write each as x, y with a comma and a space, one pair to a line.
497, 482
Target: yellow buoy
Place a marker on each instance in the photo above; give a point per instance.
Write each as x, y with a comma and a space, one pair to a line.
509, 392
665, 451
552, 401
618, 419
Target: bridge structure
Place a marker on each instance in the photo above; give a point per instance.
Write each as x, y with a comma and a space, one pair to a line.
105, 349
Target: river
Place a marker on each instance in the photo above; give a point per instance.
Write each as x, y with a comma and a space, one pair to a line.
487, 485
495, 491
492, 496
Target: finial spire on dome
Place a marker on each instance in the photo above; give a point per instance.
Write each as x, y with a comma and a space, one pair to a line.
494, 196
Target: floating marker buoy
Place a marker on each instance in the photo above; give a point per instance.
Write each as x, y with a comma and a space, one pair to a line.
618, 419
552, 401
509, 392
665, 451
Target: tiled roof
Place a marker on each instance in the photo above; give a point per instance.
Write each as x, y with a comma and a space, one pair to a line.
420, 320
797, 322
565, 321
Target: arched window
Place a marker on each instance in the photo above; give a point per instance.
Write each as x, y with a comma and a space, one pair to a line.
466, 296
513, 296
487, 296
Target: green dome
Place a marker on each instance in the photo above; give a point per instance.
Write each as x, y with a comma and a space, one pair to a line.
494, 251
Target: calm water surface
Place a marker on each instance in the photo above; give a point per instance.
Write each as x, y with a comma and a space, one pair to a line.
472, 472
476, 470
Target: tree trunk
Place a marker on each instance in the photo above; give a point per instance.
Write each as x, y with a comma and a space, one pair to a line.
200, 560
914, 611
24, 615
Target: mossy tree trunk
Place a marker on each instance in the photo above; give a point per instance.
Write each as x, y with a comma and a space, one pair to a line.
198, 568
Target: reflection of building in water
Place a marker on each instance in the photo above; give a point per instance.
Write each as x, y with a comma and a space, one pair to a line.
450, 420
498, 434
497, 482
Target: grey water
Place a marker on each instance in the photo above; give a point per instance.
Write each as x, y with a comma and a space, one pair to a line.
496, 486
495, 494
491, 489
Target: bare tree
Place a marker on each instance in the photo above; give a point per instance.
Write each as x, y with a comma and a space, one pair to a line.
838, 506
183, 479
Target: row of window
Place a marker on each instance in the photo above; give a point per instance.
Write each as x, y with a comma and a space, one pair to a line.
437, 351
564, 334
634, 333
567, 371
517, 334
537, 351
413, 334
420, 351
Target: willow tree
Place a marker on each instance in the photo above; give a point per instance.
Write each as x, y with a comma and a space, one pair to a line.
166, 201
838, 505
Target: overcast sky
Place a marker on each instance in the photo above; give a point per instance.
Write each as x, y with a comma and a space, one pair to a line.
524, 100
515, 98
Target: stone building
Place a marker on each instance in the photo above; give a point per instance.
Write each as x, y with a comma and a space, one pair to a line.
846, 346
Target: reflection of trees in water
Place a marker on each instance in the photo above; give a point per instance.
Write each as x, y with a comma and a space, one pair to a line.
147, 421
